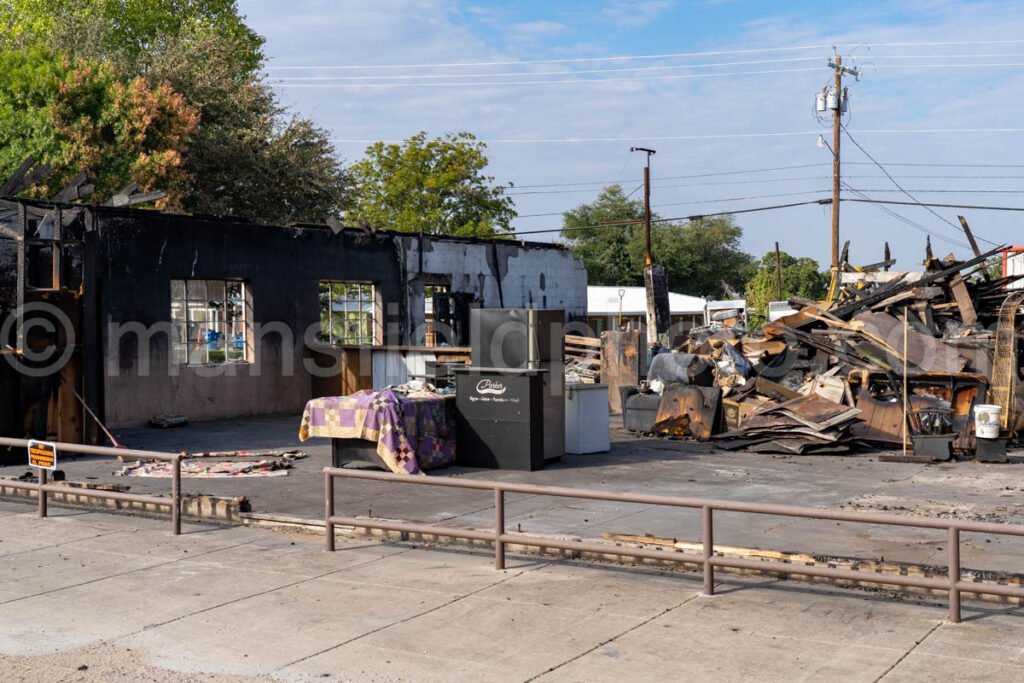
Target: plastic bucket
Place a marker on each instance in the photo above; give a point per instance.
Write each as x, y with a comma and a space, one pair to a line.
986, 420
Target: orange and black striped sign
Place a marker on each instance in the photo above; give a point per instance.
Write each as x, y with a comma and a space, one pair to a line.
42, 454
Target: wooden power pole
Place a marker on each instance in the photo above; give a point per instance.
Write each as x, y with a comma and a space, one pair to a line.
835, 100
655, 282
837, 115
778, 270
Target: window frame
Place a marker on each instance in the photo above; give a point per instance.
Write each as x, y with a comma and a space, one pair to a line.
230, 319
363, 310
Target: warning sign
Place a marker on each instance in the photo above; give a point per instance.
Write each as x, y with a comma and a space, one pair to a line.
42, 454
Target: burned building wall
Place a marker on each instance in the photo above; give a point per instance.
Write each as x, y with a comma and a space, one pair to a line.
135, 255
282, 269
491, 274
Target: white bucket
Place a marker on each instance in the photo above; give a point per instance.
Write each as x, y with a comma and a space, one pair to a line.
986, 420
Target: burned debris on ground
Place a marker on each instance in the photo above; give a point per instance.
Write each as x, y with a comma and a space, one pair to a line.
891, 359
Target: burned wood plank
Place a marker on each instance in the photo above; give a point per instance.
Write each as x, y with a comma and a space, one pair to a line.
9, 188
927, 279
963, 299
970, 236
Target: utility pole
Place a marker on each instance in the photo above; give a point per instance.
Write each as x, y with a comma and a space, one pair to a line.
655, 282
835, 99
778, 270
837, 138
647, 202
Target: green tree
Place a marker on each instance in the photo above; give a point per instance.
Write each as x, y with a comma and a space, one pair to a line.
76, 116
701, 258
801, 277
246, 157
608, 252
433, 186
124, 32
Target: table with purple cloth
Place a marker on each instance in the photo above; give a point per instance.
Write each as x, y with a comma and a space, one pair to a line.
412, 433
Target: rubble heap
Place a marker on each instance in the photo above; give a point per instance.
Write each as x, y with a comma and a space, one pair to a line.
929, 345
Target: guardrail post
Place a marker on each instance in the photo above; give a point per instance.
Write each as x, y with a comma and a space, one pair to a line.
176, 496
42, 493
709, 550
329, 509
954, 574
499, 528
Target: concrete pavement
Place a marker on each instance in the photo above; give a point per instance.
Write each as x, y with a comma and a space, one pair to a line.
121, 597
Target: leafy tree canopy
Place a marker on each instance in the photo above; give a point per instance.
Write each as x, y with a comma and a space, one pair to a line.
77, 115
436, 186
801, 277
124, 31
243, 154
701, 258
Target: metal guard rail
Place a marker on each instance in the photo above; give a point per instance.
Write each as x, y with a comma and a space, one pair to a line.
499, 537
42, 488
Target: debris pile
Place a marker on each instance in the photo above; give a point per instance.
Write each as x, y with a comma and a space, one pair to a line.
890, 356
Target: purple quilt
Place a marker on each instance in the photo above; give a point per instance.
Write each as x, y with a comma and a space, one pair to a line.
411, 434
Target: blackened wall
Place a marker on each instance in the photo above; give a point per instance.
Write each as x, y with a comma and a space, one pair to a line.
136, 254
140, 253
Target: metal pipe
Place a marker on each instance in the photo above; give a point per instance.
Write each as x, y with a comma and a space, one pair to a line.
499, 528
176, 496
96, 450
329, 510
708, 561
683, 558
954, 575
41, 495
672, 501
709, 550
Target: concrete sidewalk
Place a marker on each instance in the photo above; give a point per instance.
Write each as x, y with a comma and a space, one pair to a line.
90, 596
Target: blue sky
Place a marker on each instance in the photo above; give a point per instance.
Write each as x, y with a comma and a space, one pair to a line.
590, 79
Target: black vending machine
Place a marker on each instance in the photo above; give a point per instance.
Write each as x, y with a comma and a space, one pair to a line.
510, 403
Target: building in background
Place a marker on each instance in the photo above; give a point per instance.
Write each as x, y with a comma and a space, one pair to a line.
604, 305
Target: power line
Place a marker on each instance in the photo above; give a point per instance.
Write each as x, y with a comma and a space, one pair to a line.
739, 199
903, 190
679, 177
779, 180
945, 56
552, 81
573, 60
721, 136
620, 58
945, 66
902, 218
564, 72
695, 217
678, 185
948, 43
975, 207
734, 212
936, 165
948, 192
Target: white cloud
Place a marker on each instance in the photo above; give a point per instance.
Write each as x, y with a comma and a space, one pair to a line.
436, 31
635, 13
